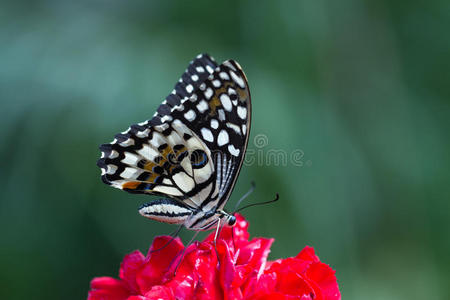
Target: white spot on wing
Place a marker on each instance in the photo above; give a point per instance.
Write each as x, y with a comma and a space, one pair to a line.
157, 140
237, 79
143, 134
162, 127
230, 65
216, 83
114, 154
179, 107
226, 102
233, 151
214, 124
234, 127
189, 88
149, 153
127, 143
193, 98
221, 115
242, 112
166, 118
224, 76
111, 169
130, 159
190, 115
200, 69
223, 138
208, 93
207, 134
128, 173
202, 106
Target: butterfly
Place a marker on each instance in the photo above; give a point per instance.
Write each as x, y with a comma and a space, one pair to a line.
191, 152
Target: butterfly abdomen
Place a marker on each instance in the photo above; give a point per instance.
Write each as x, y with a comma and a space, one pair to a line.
166, 210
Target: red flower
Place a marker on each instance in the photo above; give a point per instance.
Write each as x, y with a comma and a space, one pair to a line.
238, 270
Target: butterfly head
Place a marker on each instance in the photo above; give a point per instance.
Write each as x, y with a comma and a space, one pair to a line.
227, 218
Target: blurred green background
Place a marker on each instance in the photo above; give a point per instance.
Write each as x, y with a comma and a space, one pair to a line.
361, 89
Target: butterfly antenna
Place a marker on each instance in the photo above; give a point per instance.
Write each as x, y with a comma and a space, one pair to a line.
173, 235
259, 203
252, 188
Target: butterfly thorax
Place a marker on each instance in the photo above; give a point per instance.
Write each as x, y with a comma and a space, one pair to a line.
209, 220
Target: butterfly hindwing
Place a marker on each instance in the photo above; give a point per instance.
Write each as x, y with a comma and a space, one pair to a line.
193, 148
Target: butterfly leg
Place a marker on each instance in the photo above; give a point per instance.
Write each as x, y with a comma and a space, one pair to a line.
173, 235
182, 254
217, 235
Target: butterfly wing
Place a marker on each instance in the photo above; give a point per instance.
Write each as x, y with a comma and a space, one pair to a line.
193, 147
220, 115
196, 73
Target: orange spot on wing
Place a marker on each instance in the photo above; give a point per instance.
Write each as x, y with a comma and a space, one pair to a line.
149, 166
213, 104
243, 94
132, 185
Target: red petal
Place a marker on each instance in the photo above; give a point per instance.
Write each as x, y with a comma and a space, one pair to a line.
129, 267
277, 296
308, 254
324, 280
158, 262
252, 259
160, 292
294, 284
228, 275
241, 228
289, 265
263, 285
199, 265
182, 289
107, 288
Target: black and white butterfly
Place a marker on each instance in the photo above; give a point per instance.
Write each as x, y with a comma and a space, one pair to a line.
191, 151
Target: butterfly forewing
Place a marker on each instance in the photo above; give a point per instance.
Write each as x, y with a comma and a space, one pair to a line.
197, 72
193, 148
219, 113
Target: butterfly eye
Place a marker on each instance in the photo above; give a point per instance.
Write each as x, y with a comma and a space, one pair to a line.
231, 221
198, 159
